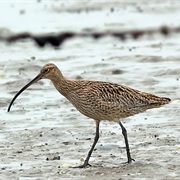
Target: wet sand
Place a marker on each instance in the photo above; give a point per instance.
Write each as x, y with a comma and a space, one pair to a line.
43, 124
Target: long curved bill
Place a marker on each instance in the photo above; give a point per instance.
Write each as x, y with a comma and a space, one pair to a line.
37, 78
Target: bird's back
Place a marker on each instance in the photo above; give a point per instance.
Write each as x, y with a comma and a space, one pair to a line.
110, 101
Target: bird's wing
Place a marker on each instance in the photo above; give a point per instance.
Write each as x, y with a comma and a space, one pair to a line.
123, 96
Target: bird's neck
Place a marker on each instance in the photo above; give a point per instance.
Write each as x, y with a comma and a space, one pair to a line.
62, 84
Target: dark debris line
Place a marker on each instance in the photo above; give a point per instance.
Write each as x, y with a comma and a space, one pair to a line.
58, 38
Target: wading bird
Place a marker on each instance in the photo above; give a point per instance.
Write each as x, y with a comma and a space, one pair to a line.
99, 101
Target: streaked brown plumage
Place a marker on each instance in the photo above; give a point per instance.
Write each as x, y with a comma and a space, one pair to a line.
99, 100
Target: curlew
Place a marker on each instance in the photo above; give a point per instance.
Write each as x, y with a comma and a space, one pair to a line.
99, 100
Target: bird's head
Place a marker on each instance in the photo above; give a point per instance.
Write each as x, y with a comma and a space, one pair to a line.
47, 72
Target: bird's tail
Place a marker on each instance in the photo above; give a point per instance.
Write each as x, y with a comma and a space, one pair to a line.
165, 100
153, 99
161, 100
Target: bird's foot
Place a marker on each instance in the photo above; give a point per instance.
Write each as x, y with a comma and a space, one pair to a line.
129, 161
83, 165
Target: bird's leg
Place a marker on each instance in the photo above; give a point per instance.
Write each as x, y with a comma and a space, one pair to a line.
86, 162
124, 132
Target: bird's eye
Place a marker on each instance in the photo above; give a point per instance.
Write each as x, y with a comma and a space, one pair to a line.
46, 70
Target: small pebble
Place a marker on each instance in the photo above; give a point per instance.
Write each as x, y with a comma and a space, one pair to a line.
65, 143
52, 158
19, 151
67, 165
112, 9
22, 11
33, 58
117, 71
79, 77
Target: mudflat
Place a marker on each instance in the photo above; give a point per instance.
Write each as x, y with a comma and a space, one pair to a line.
43, 134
